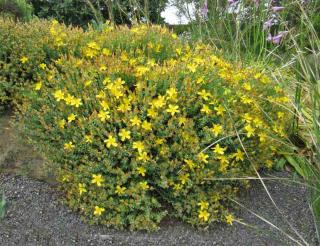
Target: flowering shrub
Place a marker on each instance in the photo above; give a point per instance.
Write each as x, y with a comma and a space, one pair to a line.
140, 124
27, 48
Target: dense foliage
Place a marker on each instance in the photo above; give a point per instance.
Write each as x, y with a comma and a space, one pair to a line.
18, 9
25, 48
139, 124
82, 12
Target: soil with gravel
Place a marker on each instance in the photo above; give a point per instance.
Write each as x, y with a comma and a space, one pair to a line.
35, 215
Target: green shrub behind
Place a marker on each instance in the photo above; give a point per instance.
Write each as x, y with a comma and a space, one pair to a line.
18, 9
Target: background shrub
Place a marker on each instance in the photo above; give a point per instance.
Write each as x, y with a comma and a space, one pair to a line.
18, 9
140, 125
83, 12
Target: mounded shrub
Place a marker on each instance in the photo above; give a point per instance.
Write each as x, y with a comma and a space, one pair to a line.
140, 125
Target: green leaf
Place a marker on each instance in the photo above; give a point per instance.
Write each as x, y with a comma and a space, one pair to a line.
2, 206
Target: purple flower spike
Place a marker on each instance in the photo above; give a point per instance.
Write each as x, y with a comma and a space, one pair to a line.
277, 9
204, 10
231, 2
276, 39
268, 24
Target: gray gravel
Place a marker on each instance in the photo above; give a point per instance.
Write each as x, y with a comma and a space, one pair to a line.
35, 216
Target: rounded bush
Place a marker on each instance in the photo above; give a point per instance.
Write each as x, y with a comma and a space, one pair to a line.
141, 125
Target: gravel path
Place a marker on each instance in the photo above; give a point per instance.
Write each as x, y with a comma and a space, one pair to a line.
36, 217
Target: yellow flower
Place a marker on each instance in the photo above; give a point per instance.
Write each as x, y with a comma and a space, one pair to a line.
141, 70
177, 187
190, 163
24, 59
143, 156
98, 211
101, 95
246, 100
62, 123
103, 68
124, 134
147, 126
239, 155
104, 105
219, 150
97, 179
223, 160
280, 115
68, 146
142, 171
203, 205
216, 129
144, 185
247, 86
75, 101
71, 117
42, 66
93, 45
229, 219
200, 80
88, 138
111, 141
69, 99
135, 121
58, 95
182, 121
247, 117
106, 81
184, 178
257, 122
172, 93
138, 145
203, 157
204, 215
82, 188
173, 109
120, 190
262, 137
192, 67
103, 116
250, 130
220, 110
87, 83
159, 141
204, 95
38, 86
159, 102
205, 109
106, 52
152, 113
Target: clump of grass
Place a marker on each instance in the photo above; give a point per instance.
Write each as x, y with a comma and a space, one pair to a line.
2, 206
299, 53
